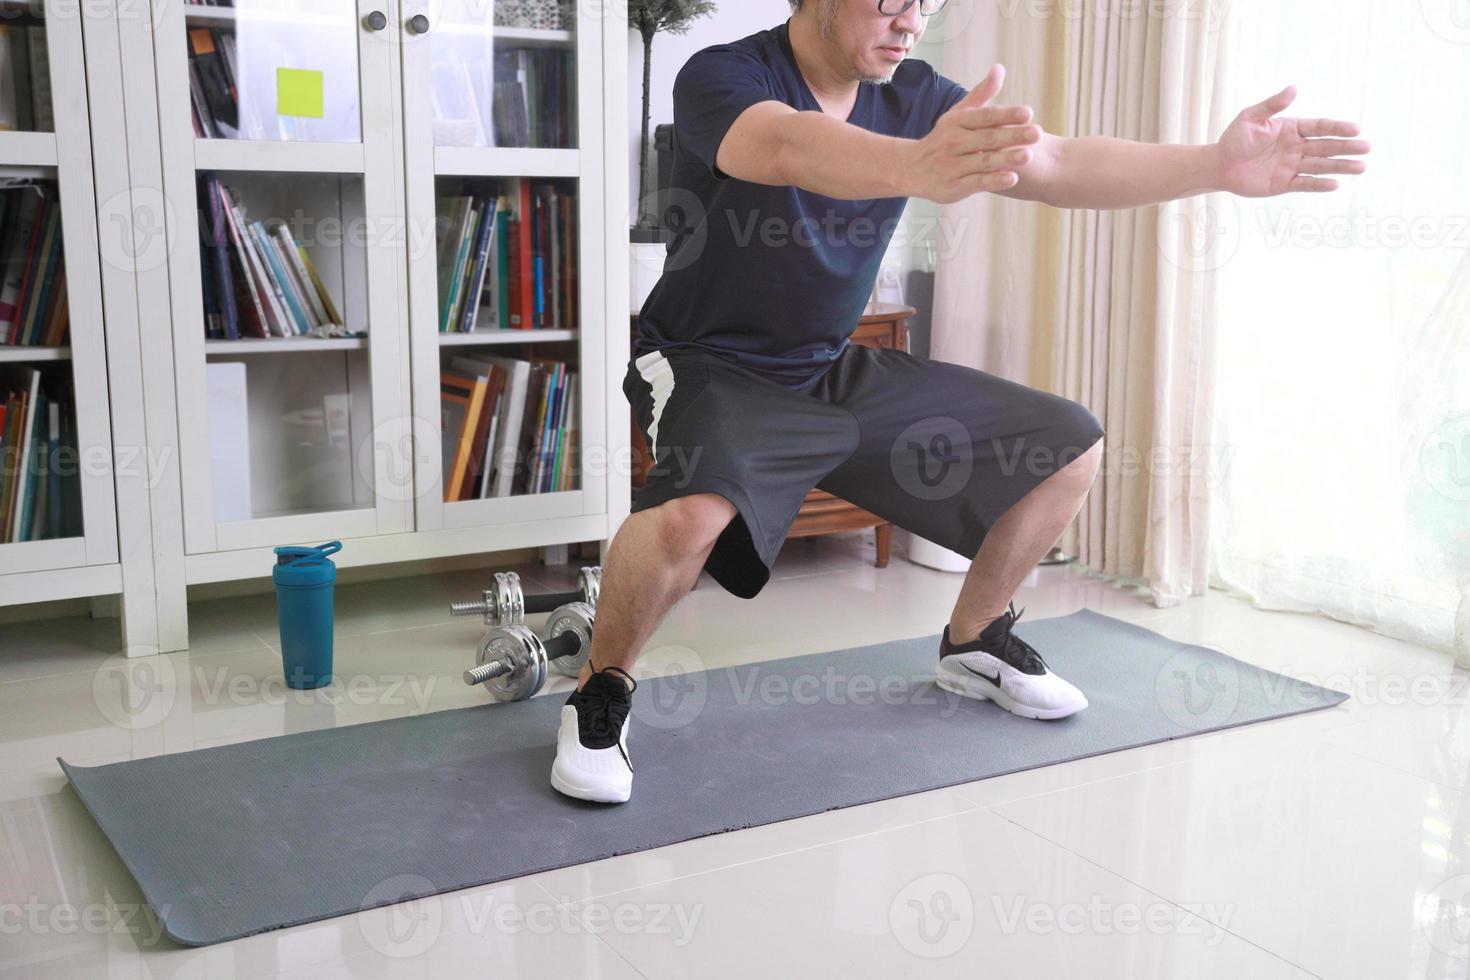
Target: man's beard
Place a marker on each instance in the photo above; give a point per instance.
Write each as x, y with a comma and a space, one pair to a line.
826, 17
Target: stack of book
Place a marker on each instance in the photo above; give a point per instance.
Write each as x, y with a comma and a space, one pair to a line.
498, 270
40, 490
528, 93
235, 85
33, 308
533, 98
509, 426
213, 92
257, 280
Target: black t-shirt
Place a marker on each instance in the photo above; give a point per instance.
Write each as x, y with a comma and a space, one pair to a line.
773, 277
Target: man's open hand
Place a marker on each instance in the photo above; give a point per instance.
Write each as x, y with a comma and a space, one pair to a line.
972, 147
1262, 156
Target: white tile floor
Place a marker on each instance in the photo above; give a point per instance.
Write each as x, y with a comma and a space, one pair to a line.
1334, 844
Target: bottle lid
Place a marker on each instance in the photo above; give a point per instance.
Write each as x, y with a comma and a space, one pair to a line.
300, 554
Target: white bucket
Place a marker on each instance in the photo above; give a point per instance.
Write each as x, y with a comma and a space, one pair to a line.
924, 552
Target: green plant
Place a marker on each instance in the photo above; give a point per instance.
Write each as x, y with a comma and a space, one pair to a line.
649, 17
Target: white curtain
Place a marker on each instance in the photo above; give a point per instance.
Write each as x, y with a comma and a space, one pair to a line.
1342, 421
1112, 309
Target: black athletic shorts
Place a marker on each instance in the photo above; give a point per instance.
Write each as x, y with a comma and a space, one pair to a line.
937, 448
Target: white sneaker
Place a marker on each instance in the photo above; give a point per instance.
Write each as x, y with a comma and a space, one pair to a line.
592, 744
1004, 668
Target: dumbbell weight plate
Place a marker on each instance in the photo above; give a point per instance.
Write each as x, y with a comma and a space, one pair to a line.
589, 583
517, 645
510, 601
574, 617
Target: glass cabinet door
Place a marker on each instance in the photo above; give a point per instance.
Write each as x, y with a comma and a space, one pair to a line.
502, 230
274, 70
276, 120
56, 460
502, 75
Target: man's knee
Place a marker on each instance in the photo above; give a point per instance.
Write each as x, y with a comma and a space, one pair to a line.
1081, 457
691, 524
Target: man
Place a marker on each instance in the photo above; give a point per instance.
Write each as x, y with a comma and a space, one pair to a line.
796, 150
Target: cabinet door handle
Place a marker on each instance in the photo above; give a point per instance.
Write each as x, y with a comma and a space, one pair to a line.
375, 21
419, 24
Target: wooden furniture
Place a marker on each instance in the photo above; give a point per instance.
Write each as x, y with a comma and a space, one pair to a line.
822, 512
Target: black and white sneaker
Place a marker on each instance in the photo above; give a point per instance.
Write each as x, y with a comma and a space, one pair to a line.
1001, 667
592, 744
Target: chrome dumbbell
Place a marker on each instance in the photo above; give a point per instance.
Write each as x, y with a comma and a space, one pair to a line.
506, 604
513, 660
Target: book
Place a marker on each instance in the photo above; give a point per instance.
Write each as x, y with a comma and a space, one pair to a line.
476, 279
19, 251
20, 446
468, 394
228, 408
259, 281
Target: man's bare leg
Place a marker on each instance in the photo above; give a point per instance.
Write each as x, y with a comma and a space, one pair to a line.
652, 563
1017, 542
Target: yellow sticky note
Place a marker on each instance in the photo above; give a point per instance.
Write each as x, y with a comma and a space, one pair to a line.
299, 92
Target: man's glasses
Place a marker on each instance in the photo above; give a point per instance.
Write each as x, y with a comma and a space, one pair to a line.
892, 8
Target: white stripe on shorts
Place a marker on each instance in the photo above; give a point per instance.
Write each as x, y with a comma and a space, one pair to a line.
654, 368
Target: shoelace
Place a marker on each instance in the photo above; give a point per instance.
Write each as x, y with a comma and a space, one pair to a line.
1028, 656
605, 712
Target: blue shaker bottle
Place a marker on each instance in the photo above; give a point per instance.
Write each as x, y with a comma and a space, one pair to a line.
304, 579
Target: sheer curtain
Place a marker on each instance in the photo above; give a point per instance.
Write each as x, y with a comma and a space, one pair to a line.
1341, 443
1112, 309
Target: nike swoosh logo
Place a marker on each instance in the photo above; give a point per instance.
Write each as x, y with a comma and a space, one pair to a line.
980, 673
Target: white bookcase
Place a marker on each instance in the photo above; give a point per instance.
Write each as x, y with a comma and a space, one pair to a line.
441, 157
342, 130
48, 143
308, 402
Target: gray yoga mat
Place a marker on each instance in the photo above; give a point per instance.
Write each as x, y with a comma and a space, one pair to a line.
239, 839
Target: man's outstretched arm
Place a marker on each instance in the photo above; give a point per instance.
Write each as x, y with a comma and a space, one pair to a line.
975, 147
1257, 156
1103, 173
